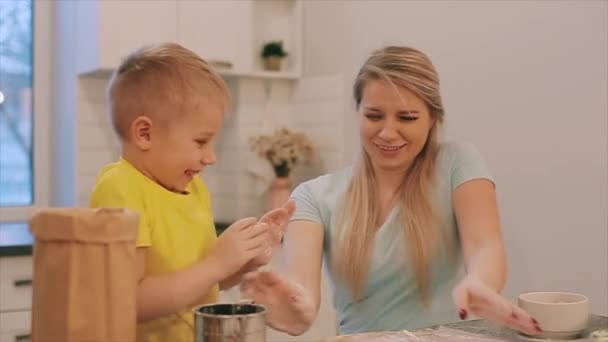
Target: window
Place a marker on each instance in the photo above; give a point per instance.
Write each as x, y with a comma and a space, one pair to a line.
16, 37
24, 106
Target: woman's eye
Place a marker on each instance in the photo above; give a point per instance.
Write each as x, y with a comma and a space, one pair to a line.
373, 117
408, 118
200, 142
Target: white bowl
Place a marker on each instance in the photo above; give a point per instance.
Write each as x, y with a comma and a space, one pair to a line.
561, 315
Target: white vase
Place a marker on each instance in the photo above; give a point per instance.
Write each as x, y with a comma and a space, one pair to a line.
279, 192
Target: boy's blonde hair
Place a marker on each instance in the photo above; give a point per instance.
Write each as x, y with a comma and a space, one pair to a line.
162, 81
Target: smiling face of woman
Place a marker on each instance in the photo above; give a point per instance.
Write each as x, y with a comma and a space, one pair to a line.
394, 125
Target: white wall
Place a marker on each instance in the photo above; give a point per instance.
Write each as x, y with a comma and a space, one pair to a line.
527, 82
239, 181
62, 171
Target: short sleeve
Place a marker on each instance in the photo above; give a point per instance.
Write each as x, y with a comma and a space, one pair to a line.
307, 206
467, 164
108, 194
202, 192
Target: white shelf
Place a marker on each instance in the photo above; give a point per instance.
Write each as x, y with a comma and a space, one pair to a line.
227, 30
271, 75
282, 21
235, 31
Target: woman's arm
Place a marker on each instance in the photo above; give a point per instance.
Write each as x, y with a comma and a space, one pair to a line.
292, 301
476, 211
302, 252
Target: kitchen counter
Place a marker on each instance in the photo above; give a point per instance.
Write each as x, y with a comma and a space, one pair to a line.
16, 240
473, 330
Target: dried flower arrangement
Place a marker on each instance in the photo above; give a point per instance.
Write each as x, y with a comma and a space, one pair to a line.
284, 149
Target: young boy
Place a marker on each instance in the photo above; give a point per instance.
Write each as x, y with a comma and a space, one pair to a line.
166, 107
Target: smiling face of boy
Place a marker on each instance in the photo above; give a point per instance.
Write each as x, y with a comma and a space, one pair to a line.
176, 151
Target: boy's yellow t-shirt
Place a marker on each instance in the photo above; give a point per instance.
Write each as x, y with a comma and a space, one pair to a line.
177, 229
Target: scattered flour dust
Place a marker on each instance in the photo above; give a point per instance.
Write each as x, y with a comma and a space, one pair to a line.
442, 334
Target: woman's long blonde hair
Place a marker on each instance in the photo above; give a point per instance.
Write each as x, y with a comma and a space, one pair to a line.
359, 216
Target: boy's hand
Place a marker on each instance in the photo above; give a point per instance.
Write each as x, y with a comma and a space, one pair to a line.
239, 243
277, 220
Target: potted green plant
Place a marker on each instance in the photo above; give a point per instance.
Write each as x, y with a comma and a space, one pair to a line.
272, 54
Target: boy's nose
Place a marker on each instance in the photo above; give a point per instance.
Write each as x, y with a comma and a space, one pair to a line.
208, 158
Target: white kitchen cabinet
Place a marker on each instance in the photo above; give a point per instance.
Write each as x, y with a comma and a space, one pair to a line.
278, 20
14, 337
15, 326
104, 32
218, 30
107, 31
15, 298
15, 283
235, 31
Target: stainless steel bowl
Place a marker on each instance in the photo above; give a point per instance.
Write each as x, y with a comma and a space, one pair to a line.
230, 323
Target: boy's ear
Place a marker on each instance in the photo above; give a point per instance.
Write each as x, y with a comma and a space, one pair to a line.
141, 132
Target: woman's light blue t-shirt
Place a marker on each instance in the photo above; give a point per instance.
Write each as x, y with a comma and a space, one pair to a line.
390, 300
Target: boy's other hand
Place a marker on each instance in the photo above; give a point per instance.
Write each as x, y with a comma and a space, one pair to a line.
239, 243
277, 220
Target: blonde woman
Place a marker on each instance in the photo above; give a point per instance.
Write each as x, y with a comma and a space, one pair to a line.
394, 229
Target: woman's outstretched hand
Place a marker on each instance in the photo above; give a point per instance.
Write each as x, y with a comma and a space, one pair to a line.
472, 296
290, 308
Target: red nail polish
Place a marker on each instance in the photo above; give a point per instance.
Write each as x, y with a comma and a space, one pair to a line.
538, 328
534, 321
463, 314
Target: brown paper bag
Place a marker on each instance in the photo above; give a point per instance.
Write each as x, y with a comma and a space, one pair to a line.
84, 275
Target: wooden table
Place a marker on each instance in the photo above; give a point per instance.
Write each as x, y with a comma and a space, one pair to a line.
473, 330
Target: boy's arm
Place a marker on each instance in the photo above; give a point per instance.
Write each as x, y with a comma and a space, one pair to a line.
162, 295
236, 278
253, 265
